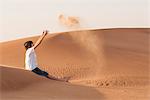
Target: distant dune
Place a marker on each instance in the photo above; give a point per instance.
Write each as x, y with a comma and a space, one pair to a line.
110, 61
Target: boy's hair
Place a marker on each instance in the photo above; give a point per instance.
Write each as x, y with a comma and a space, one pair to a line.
28, 44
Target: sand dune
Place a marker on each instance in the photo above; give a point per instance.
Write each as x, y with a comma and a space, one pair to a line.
110, 61
33, 87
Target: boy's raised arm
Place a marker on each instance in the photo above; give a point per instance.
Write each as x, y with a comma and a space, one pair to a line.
38, 42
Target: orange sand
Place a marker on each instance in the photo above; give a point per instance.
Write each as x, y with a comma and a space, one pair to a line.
108, 64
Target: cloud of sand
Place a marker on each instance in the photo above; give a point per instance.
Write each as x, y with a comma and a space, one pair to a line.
69, 21
92, 42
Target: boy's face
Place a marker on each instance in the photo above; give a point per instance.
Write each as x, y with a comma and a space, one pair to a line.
32, 45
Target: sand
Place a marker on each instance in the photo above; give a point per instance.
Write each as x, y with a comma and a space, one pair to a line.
104, 64
70, 21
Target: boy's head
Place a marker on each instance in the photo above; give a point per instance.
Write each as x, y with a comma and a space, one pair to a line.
28, 44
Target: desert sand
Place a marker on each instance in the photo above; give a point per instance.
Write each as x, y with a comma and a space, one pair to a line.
104, 64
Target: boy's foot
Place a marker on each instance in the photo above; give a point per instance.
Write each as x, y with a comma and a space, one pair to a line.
66, 79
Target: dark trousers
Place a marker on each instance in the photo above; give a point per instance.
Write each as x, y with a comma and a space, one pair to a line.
40, 72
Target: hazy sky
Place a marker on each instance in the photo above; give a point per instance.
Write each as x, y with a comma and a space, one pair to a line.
22, 18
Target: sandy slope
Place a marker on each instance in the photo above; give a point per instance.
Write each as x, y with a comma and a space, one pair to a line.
29, 86
112, 61
33, 87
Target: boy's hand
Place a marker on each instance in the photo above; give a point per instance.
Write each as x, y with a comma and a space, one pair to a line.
40, 39
45, 32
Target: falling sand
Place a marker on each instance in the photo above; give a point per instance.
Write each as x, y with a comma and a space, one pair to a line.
87, 40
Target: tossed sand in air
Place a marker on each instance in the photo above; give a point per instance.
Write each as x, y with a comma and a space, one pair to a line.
69, 21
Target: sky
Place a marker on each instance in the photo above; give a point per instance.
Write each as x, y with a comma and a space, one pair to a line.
24, 18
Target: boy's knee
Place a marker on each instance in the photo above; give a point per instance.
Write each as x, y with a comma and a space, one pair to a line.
45, 73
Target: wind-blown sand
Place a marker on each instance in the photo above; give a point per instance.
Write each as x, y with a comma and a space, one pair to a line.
108, 64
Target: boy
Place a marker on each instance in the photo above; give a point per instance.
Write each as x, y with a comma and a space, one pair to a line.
31, 61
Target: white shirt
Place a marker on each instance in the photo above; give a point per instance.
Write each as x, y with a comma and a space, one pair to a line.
30, 59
